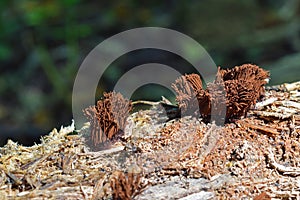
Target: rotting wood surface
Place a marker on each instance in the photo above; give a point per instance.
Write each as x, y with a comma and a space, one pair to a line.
256, 157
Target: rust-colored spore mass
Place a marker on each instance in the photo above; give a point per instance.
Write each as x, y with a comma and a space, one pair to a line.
191, 97
249, 74
188, 89
126, 185
108, 117
243, 85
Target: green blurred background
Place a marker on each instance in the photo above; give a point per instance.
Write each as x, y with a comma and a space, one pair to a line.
44, 42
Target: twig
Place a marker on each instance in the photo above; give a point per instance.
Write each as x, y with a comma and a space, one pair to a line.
83, 192
284, 194
267, 102
98, 154
163, 100
151, 103
266, 130
267, 114
292, 171
287, 103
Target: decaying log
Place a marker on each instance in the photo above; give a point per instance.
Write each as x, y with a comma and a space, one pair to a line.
255, 157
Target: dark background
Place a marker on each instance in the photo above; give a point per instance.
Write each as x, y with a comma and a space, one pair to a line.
42, 44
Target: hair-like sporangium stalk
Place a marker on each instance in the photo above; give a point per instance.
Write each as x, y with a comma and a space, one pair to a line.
190, 94
107, 118
243, 86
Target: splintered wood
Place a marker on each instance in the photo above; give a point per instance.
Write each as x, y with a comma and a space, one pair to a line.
256, 157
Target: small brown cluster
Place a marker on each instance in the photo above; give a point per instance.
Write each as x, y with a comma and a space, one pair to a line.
190, 94
126, 185
236, 89
107, 118
243, 86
